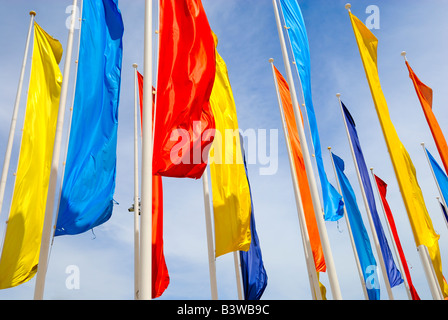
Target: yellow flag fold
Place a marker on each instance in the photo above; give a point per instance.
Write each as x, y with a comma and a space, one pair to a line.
231, 195
423, 230
21, 247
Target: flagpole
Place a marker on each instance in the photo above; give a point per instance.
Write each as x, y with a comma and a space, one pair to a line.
210, 246
331, 269
237, 274
147, 160
312, 274
430, 273
400, 264
352, 241
51, 196
12, 129
433, 174
366, 204
136, 202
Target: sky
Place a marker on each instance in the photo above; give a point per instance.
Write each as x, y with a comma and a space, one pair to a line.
247, 39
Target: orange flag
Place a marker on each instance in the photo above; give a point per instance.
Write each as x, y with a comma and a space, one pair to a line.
302, 178
424, 94
160, 276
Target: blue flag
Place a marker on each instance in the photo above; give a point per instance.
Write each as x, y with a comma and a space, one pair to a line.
253, 272
360, 235
441, 177
89, 178
393, 273
333, 205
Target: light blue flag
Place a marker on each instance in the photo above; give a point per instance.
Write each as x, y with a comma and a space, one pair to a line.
333, 205
360, 236
89, 178
441, 177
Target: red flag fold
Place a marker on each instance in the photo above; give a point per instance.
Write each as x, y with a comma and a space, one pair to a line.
184, 129
382, 186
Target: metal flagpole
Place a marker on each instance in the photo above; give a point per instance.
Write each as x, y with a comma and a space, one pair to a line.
236, 261
12, 129
347, 220
312, 274
46, 233
434, 175
366, 204
430, 273
136, 191
147, 152
400, 264
208, 228
331, 269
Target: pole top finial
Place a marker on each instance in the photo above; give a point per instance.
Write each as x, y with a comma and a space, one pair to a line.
329, 148
371, 169
422, 143
271, 60
135, 65
348, 6
33, 13
338, 95
403, 54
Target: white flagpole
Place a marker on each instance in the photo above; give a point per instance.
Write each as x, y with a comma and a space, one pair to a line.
12, 129
366, 204
51, 197
312, 274
208, 228
430, 273
349, 228
147, 159
434, 175
331, 269
136, 201
236, 261
400, 264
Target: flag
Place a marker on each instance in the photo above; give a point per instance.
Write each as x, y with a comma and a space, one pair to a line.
444, 211
423, 230
382, 187
160, 276
255, 278
184, 128
360, 235
230, 188
442, 179
393, 273
299, 165
21, 248
333, 205
89, 177
424, 94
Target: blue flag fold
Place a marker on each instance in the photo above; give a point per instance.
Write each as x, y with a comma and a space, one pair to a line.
254, 275
333, 204
441, 177
359, 232
393, 273
89, 177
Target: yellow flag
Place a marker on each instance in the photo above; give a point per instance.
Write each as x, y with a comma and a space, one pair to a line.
421, 223
231, 196
21, 247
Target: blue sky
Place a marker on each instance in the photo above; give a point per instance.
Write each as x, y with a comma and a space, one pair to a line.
247, 39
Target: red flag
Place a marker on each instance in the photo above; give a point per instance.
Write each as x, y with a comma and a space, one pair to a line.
160, 276
382, 186
424, 94
184, 128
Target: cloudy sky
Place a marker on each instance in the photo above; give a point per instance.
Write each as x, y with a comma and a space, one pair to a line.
247, 39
